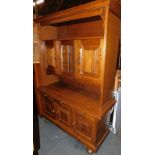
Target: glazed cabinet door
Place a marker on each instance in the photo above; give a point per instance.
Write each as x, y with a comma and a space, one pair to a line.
65, 115
67, 56
88, 59
48, 62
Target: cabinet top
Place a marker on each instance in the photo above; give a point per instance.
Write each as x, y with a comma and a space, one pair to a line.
91, 9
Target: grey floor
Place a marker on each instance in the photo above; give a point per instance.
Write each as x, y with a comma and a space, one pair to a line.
55, 141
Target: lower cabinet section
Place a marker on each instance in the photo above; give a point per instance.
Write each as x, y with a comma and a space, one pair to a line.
87, 129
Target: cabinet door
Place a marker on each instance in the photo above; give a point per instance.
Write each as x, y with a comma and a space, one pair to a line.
65, 115
88, 60
48, 63
50, 108
84, 126
67, 56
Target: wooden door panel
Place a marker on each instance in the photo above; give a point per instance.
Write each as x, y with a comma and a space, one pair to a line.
84, 126
50, 108
65, 115
88, 60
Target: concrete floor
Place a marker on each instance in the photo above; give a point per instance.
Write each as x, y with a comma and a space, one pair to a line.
54, 141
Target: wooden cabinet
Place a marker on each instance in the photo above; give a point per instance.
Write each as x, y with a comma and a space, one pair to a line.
78, 65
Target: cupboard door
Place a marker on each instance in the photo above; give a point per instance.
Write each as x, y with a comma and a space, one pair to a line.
49, 108
65, 115
88, 60
90, 52
67, 56
84, 126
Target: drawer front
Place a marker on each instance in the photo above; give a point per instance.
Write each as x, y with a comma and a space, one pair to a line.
84, 126
65, 115
50, 108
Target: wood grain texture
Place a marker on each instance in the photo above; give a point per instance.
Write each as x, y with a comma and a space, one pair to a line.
47, 33
75, 118
37, 80
46, 79
81, 30
77, 100
111, 53
88, 62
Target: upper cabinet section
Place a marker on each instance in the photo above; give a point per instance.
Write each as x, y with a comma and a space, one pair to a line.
81, 22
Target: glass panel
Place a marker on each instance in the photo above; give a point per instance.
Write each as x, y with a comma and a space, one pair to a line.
67, 58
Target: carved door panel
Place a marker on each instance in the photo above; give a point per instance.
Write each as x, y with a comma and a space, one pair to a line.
84, 126
65, 115
50, 108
